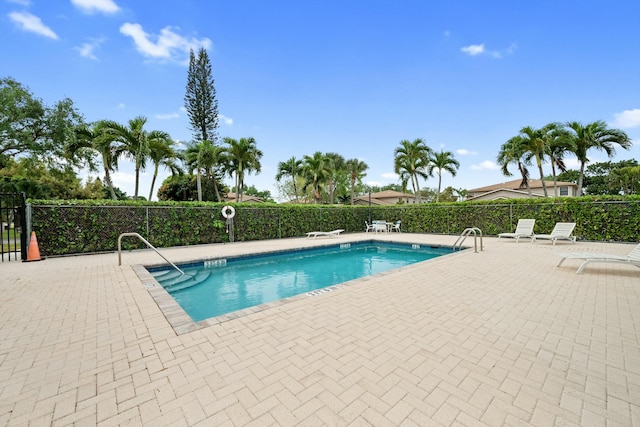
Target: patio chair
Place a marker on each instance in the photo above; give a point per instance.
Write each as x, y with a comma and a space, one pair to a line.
523, 229
395, 227
632, 259
334, 233
369, 227
561, 231
379, 226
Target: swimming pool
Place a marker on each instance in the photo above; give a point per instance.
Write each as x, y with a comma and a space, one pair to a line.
219, 286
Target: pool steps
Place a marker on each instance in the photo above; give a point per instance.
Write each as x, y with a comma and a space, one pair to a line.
184, 281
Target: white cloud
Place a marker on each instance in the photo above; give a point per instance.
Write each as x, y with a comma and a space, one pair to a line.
92, 6
474, 49
120, 178
390, 175
20, 2
121, 106
487, 164
168, 45
226, 120
447, 34
627, 119
478, 49
465, 152
86, 49
32, 23
167, 116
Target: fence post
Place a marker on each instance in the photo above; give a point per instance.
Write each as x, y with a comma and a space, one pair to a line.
25, 226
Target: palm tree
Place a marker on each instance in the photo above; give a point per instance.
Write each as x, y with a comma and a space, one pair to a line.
411, 160
559, 144
336, 164
444, 160
536, 144
596, 136
204, 156
99, 138
243, 157
513, 151
162, 153
135, 142
316, 172
291, 168
356, 169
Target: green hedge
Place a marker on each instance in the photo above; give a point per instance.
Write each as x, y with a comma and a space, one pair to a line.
73, 227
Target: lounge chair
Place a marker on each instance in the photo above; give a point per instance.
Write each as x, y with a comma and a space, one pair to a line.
369, 227
632, 259
395, 227
334, 233
562, 231
523, 229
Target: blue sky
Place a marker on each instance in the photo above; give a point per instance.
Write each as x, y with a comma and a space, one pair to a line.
352, 77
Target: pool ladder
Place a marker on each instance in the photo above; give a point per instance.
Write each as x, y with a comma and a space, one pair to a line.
146, 243
467, 232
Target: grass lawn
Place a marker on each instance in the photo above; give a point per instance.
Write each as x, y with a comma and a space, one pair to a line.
9, 238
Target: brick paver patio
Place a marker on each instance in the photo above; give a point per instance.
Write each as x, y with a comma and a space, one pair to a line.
500, 337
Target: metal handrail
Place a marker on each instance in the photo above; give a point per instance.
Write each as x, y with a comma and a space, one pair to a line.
465, 234
148, 244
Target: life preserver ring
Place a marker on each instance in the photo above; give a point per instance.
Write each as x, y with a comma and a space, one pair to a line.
228, 212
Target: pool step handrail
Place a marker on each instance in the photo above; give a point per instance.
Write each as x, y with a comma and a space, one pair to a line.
465, 234
146, 243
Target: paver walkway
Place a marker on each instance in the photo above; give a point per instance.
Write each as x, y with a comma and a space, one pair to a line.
500, 337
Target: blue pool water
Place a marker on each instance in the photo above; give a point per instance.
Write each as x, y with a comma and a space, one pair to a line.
224, 286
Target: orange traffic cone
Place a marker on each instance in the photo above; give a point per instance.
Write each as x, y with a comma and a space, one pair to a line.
34, 252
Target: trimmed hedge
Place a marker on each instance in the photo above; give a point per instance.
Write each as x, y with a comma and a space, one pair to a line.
73, 227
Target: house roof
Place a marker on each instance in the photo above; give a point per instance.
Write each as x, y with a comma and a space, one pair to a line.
386, 194
515, 185
495, 194
231, 197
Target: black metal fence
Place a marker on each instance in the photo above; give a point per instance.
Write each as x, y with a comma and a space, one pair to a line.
13, 244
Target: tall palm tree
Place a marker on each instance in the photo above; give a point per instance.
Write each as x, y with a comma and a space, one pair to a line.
595, 136
559, 144
316, 172
356, 169
291, 168
536, 144
514, 151
243, 157
205, 157
444, 160
99, 138
162, 153
411, 160
336, 164
135, 142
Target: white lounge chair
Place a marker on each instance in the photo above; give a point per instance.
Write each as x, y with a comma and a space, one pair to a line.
395, 227
334, 233
523, 229
632, 259
561, 231
369, 227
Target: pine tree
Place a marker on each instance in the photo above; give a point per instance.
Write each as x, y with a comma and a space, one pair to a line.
200, 99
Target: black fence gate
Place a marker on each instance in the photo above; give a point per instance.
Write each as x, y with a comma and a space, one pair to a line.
13, 242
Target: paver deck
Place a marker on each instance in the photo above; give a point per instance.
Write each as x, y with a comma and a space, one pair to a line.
499, 337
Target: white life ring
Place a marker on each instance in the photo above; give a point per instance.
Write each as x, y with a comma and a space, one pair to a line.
228, 212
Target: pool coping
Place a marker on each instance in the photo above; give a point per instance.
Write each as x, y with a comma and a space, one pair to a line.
182, 323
